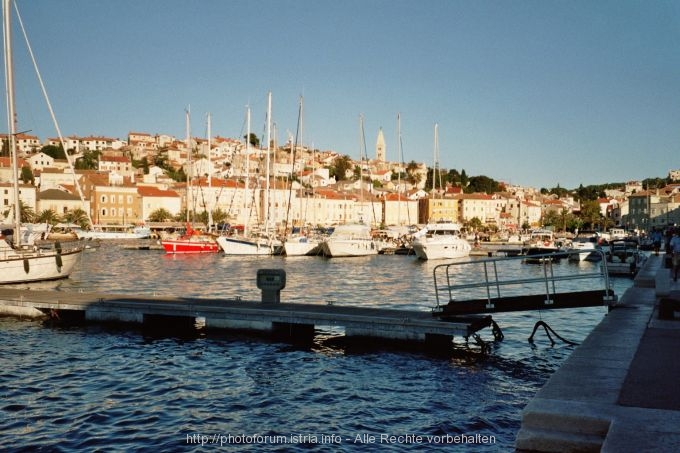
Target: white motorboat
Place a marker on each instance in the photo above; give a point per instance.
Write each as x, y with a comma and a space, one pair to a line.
350, 239
583, 247
440, 240
301, 245
252, 245
114, 232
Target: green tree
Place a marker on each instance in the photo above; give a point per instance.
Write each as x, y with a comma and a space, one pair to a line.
27, 175
47, 216
339, 167
77, 216
160, 215
55, 152
413, 176
590, 213
89, 161
482, 184
254, 140
27, 213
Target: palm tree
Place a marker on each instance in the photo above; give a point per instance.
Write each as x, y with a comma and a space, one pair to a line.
47, 216
160, 215
77, 216
27, 213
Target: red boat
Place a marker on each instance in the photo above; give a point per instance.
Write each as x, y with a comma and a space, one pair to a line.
191, 241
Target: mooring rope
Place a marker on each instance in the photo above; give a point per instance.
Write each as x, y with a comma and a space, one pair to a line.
549, 329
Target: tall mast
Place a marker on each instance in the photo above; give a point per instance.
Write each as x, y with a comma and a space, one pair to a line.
187, 115
269, 141
245, 201
11, 115
399, 173
210, 194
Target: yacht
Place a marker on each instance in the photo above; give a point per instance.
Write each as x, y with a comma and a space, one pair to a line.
440, 240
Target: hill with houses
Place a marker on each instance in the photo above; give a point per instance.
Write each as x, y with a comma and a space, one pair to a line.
133, 181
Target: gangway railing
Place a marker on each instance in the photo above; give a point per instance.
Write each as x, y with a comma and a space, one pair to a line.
482, 286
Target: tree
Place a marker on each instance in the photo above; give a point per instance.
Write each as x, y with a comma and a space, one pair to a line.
160, 215
482, 184
77, 216
27, 175
412, 174
89, 161
474, 224
340, 166
590, 213
27, 213
47, 216
55, 152
254, 140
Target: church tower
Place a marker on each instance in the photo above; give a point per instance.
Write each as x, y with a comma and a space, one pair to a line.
380, 151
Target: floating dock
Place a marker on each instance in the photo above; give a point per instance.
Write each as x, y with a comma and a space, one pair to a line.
297, 321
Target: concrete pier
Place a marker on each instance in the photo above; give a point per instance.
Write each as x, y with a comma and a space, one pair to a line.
277, 318
618, 391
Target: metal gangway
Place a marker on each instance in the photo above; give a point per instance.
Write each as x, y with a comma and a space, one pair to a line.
484, 286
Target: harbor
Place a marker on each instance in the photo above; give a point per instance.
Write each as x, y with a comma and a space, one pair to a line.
58, 375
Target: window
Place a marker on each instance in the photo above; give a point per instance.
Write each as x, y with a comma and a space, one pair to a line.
103, 199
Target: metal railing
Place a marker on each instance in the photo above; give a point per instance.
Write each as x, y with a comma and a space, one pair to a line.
490, 283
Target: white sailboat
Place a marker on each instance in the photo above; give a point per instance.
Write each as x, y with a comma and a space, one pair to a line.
248, 243
301, 242
352, 239
17, 264
442, 239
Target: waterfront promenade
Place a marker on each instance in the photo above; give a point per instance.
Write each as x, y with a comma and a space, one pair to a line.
620, 389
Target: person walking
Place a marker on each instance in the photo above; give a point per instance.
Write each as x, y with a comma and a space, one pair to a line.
656, 238
675, 250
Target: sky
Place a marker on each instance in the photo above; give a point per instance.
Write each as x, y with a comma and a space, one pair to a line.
540, 93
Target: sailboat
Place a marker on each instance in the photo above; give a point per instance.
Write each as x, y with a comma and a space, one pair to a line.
248, 243
301, 242
440, 239
352, 239
17, 264
191, 241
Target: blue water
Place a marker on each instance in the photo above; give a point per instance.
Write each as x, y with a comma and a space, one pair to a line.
106, 389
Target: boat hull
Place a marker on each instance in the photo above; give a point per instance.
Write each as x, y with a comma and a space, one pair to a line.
186, 246
446, 248
293, 247
338, 248
18, 267
243, 246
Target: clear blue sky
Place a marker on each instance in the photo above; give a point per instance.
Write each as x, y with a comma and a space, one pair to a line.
533, 92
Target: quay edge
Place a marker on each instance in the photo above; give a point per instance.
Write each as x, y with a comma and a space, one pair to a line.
618, 391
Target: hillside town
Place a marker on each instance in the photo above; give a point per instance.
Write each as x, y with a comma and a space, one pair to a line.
228, 178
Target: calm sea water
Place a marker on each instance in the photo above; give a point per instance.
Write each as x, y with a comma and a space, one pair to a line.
101, 389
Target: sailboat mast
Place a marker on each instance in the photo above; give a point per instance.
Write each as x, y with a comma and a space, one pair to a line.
269, 141
11, 115
399, 173
210, 194
189, 173
245, 227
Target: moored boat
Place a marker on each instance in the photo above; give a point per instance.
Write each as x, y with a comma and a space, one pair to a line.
348, 240
192, 241
441, 240
117, 232
624, 258
19, 264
